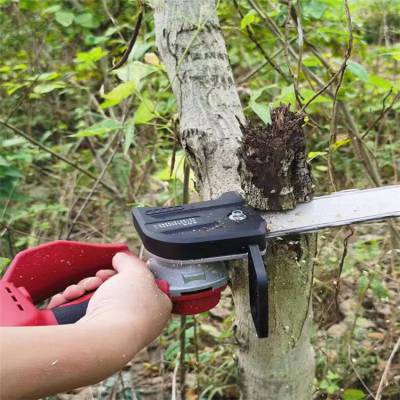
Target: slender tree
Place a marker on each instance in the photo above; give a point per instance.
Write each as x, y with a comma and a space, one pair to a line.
193, 50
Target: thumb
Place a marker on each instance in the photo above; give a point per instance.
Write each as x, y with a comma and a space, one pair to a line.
126, 262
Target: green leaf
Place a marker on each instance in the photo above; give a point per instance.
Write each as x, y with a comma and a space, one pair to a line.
363, 283
314, 154
396, 55
262, 111
86, 20
249, 19
358, 70
129, 132
135, 71
3, 263
93, 55
353, 394
52, 9
307, 94
382, 83
340, 143
64, 18
48, 87
332, 375
119, 93
16, 141
315, 9
145, 112
3, 162
99, 129
48, 76
379, 289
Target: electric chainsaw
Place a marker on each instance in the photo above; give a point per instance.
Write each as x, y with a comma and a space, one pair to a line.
187, 247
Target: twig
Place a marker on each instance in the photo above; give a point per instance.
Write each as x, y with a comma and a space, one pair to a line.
88, 197
197, 356
182, 334
321, 90
22, 98
386, 370
340, 269
111, 17
132, 41
253, 38
383, 112
261, 66
300, 35
174, 376
182, 353
357, 374
286, 46
333, 126
54, 154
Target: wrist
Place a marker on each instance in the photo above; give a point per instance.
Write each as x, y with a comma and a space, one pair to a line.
117, 331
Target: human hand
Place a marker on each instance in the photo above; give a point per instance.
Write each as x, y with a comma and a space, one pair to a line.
129, 297
125, 313
76, 291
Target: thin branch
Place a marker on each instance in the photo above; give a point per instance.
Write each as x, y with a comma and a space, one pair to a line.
286, 46
386, 370
300, 35
320, 91
182, 336
132, 41
357, 374
54, 154
261, 66
111, 17
88, 197
383, 112
182, 353
333, 125
23, 97
340, 269
253, 38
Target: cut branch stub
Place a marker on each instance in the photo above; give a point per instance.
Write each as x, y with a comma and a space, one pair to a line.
273, 167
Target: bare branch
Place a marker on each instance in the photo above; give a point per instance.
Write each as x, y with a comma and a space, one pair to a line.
383, 112
333, 125
386, 370
131, 43
54, 154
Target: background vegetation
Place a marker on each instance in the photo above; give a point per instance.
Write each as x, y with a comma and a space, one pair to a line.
81, 144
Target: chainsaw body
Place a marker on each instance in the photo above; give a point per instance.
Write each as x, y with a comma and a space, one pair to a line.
187, 247
38, 273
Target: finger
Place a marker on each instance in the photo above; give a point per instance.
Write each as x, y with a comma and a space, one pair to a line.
124, 262
105, 274
56, 301
73, 292
91, 283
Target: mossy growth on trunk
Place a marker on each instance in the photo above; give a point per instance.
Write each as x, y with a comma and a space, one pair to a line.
273, 165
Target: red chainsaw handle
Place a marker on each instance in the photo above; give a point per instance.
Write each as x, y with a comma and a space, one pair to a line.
73, 311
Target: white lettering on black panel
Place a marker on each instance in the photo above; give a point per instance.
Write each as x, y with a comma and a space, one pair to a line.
176, 223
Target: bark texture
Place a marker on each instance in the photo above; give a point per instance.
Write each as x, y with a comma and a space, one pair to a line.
273, 162
192, 47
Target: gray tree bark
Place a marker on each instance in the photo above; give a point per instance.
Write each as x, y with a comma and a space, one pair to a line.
280, 367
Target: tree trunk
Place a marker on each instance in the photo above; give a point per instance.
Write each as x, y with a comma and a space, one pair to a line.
192, 47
